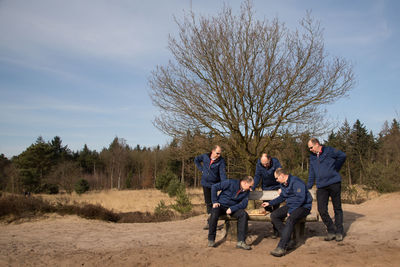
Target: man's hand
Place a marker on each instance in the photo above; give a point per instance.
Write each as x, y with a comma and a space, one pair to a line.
216, 205
228, 211
279, 191
265, 204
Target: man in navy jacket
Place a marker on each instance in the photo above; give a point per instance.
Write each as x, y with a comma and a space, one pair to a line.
233, 201
298, 205
212, 167
325, 164
265, 170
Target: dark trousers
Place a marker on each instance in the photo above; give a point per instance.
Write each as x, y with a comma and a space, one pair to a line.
286, 229
207, 198
323, 194
242, 219
271, 209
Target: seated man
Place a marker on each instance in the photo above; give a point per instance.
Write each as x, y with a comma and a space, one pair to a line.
232, 200
298, 205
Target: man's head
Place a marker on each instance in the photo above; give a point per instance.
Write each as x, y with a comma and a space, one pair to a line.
314, 145
216, 152
246, 183
281, 175
265, 160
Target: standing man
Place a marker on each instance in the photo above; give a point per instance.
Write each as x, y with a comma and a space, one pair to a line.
298, 205
212, 167
265, 170
232, 200
325, 163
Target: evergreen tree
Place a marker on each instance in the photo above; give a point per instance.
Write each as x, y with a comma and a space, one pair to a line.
34, 164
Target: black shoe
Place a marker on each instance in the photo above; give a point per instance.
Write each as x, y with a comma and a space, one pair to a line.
330, 237
339, 237
211, 243
275, 234
278, 252
291, 245
242, 245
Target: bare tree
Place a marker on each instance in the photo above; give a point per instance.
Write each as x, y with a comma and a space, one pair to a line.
245, 80
115, 158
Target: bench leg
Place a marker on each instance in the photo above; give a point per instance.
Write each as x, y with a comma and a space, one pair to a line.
251, 204
299, 231
231, 230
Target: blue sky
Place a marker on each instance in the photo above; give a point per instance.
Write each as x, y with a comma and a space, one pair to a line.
80, 69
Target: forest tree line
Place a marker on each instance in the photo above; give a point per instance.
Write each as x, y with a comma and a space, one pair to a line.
50, 166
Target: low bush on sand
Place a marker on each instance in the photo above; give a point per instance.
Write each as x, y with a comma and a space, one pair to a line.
17, 207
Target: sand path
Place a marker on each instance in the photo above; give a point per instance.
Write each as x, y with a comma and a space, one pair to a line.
373, 239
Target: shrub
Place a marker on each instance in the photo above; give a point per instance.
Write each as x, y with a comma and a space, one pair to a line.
163, 180
384, 179
173, 187
301, 173
50, 189
81, 186
20, 206
183, 204
91, 211
161, 209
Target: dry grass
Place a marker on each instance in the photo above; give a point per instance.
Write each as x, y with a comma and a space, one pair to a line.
145, 200
126, 206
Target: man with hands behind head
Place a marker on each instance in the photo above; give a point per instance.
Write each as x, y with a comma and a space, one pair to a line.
212, 167
325, 164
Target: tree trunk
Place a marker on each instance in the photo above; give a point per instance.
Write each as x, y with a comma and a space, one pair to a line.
348, 172
195, 175
183, 171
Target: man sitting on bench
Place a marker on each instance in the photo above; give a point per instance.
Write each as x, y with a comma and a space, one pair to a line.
298, 205
232, 200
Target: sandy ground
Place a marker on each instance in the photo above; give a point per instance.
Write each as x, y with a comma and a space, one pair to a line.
372, 239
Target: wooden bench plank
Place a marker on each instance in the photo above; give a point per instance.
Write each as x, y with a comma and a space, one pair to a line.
271, 194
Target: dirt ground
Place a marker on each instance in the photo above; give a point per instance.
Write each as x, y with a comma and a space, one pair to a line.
372, 239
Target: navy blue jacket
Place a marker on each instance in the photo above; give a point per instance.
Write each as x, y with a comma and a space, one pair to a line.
211, 174
295, 193
324, 169
267, 175
231, 195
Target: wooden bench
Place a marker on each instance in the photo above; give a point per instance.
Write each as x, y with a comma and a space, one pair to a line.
299, 229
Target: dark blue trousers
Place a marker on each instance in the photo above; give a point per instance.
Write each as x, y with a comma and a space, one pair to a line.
242, 226
207, 198
333, 191
286, 229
